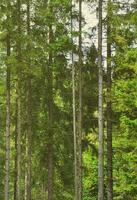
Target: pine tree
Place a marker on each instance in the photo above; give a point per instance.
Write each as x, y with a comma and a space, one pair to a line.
8, 88
109, 104
19, 102
100, 110
79, 114
50, 115
77, 103
7, 164
29, 112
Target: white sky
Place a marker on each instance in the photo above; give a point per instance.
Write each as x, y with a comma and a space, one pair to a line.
89, 14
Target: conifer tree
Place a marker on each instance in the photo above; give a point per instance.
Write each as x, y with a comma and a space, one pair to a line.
50, 113
109, 105
8, 107
100, 110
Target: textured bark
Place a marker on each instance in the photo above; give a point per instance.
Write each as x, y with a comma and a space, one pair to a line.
26, 173
17, 168
15, 160
80, 106
29, 143
7, 159
18, 144
109, 107
77, 76
74, 110
50, 119
50, 140
29, 116
19, 103
100, 110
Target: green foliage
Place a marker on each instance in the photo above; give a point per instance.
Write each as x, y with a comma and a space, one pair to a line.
33, 64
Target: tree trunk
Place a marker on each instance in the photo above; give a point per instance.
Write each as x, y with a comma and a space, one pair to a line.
29, 143
100, 110
15, 160
74, 110
109, 106
77, 108
18, 142
50, 121
7, 161
17, 168
29, 114
19, 103
80, 106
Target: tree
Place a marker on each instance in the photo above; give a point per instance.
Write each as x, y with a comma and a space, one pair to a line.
77, 112
124, 107
29, 112
100, 110
18, 130
74, 107
7, 164
8, 74
47, 96
109, 105
50, 115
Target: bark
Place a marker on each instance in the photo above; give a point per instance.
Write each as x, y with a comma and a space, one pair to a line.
29, 143
15, 161
29, 116
78, 114
74, 111
80, 106
19, 103
26, 172
17, 168
109, 107
17, 155
7, 159
50, 121
18, 141
100, 110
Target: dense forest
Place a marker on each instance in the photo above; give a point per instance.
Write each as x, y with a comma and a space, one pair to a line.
68, 99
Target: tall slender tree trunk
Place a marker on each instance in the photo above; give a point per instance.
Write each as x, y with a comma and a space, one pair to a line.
29, 115
15, 159
109, 107
19, 102
29, 143
74, 109
17, 167
80, 105
50, 121
77, 118
7, 161
26, 171
100, 111
18, 141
